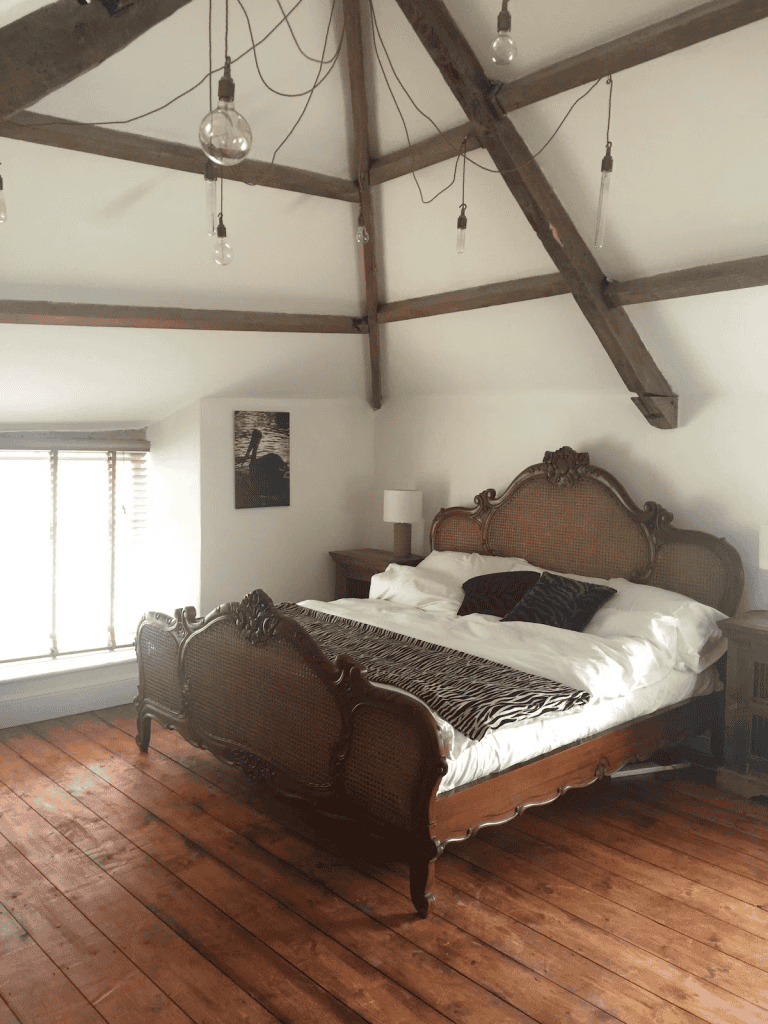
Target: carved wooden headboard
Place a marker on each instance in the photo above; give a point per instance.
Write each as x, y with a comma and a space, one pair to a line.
568, 516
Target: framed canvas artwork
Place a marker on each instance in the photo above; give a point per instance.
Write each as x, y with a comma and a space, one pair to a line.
262, 459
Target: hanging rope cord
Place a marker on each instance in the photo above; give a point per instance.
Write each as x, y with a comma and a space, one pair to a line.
209, 77
319, 77
608, 143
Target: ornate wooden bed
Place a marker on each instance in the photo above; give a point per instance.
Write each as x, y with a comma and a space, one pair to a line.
251, 686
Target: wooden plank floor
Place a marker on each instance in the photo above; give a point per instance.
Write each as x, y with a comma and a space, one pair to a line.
156, 887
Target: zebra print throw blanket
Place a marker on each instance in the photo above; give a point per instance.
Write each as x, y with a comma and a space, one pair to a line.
470, 693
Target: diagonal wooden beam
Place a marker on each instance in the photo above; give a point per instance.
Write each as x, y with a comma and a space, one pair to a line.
676, 33
465, 77
362, 160
52, 46
87, 314
28, 126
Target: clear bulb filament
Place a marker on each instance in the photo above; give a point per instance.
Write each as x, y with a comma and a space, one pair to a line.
224, 134
461, 235
210, 198
602, 203
362, 235
222, 252
503, 49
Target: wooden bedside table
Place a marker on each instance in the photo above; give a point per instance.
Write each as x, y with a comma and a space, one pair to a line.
355, 568
745, 764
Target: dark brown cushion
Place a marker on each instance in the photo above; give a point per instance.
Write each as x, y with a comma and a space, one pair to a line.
496, 592
558, 601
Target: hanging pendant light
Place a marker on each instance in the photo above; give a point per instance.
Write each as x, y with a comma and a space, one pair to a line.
461, 235
210, 176
362, 235
224, 134
602, 203
222, 252
503, 49
3, 209
605, 175
461, 223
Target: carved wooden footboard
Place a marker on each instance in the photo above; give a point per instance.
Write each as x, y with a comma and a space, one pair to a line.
252, 687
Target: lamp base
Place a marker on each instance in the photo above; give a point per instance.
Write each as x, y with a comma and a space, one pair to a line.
402, 540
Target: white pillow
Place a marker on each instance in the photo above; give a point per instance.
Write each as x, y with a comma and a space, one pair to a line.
609, 622
460, 566
407, 584
699, 640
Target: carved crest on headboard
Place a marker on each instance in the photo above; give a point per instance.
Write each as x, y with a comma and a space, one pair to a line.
255, 617
565, 467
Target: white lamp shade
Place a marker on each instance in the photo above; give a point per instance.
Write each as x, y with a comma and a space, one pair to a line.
763, 548
402, 506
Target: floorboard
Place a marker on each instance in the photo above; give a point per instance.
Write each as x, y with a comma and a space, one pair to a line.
159, 887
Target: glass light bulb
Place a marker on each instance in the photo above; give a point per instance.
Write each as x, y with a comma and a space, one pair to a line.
362, 235
225, 135
222, 253
602, 203
3, 208
210, 206
503, 49
602, 209
461, 238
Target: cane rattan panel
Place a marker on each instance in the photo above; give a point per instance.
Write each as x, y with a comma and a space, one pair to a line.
691, 570
580, 529
384, 766
158, 650
457, 533
267, 700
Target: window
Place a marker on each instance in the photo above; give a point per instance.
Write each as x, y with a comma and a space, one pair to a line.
72, 527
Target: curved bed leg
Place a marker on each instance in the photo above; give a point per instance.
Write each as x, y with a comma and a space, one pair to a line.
423, 874
143, 727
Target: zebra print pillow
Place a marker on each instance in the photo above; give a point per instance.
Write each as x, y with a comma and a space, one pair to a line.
496, 592
559, 601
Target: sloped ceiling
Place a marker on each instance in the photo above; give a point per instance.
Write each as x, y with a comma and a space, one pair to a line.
690, 186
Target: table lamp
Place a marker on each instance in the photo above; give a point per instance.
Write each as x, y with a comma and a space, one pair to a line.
402, 508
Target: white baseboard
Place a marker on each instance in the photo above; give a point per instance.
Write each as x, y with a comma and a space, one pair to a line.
70, 692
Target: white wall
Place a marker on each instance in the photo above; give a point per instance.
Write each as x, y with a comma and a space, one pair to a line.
284, 551
710, 471
174, 512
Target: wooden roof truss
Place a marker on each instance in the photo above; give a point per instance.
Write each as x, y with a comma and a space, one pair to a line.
50, 47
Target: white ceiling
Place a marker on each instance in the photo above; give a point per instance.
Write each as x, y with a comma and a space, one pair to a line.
690, 187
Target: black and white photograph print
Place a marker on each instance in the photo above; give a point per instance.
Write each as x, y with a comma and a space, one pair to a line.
262, 459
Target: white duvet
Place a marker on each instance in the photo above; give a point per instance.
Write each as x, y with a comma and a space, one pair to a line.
633, 660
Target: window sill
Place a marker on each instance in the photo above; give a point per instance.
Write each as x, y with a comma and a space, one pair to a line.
38, 667
34, 691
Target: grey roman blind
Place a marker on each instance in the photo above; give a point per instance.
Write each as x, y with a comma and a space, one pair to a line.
72, 540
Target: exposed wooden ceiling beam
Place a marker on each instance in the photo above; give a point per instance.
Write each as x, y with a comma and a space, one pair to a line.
676, 33
714, 277
82, 314
83, 138
474, 298
748, 273
465, 77
362, 160
52, 46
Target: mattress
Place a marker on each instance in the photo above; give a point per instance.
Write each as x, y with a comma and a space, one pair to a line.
628, 677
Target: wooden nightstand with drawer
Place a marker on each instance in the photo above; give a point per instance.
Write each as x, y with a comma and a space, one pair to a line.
745, 762
355, 568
